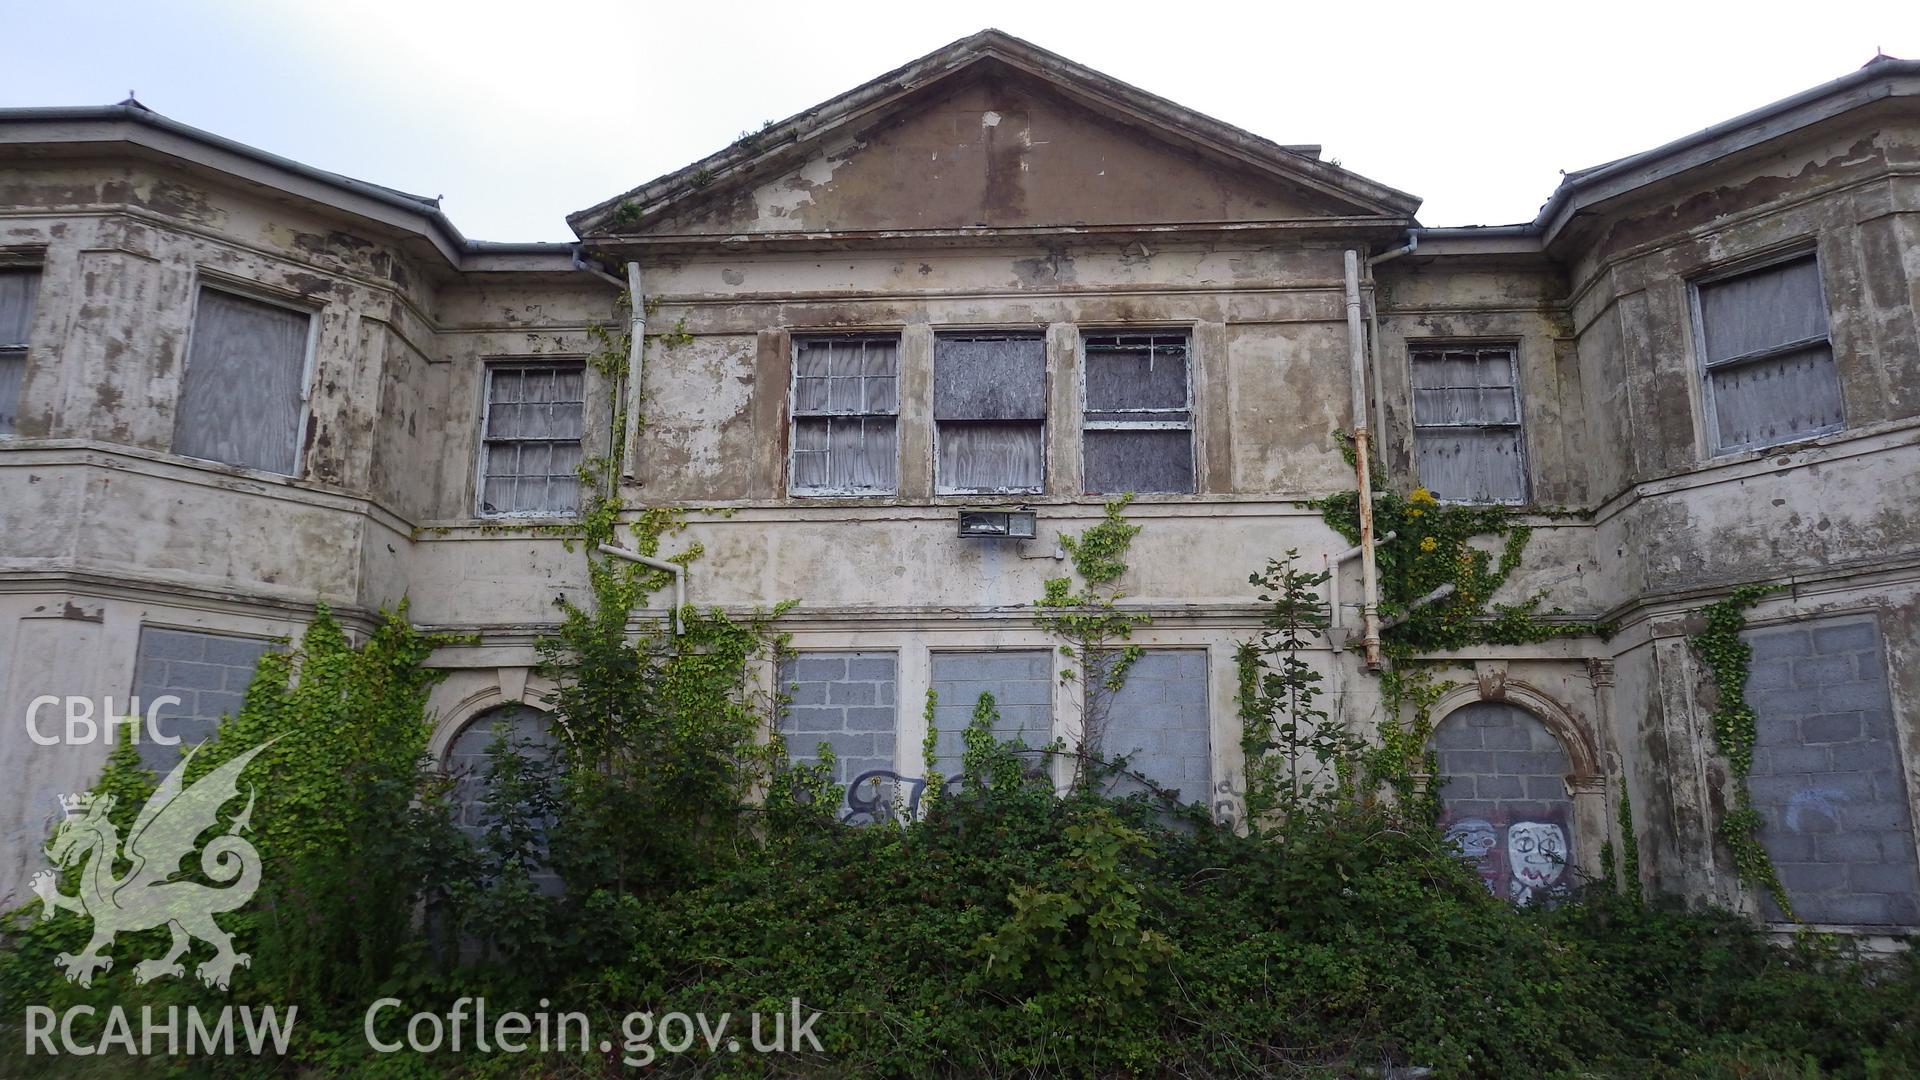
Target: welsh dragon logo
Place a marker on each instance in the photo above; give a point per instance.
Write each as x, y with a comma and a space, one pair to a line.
166, 832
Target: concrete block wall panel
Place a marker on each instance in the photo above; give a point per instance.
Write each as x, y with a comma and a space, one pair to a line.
848, 701
1827, 773
468, 762
1160, 717
1021, 682
209, 673
467, 757
1505, 802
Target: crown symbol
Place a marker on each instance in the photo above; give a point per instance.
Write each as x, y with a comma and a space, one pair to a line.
76, 804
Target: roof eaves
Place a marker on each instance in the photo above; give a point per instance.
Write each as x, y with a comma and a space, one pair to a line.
1878, 80
456, 247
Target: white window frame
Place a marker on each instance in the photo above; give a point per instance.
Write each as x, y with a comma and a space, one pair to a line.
528, 363
1709, 414
1086, 425
259, 294
1046, 464
793, 417
1441, 345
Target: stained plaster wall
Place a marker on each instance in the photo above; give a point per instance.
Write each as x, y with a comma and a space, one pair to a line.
1674, 525
107, 530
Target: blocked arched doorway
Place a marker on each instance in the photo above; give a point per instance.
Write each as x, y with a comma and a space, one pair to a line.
468, 762
1505, 801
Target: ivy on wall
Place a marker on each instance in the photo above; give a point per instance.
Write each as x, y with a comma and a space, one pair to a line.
1726, 656
1433, 546
1094, 632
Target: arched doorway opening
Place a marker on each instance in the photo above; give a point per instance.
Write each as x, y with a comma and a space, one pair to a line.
1504, 801
467, 760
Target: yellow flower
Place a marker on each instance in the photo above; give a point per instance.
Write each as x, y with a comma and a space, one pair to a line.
1429, 544
1422, 497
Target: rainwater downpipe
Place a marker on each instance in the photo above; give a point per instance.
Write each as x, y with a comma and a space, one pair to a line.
679, 576
636, 352
1357, 370
636, 366
1373, 333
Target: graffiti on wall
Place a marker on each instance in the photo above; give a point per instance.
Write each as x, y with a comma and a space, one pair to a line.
1524, 861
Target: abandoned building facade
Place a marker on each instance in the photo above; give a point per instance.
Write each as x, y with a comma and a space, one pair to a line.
233, 388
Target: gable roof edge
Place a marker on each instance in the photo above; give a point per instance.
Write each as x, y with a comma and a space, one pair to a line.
780, 138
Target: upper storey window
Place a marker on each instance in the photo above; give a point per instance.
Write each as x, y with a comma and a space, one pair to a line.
990, 409
18, 288
246, 383
1466, 424
1138, 429
530, 453
846, 408
1769, 365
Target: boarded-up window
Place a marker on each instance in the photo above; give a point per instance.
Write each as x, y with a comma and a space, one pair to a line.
1157, 721
990, 409
1138, 430
524, 732
1504, 802
245, 391
846, 405
1769, 365
1466, 424
1021, 682
17, 291
530, 463
207, 674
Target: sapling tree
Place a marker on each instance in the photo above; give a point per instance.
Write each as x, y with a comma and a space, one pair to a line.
1295, 754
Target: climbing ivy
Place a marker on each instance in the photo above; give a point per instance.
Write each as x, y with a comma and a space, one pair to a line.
1433, 547
1725, 656
1629, 846
1093, 631
929, 746
1404, 762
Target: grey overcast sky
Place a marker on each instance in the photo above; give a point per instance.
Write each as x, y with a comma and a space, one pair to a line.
521, 113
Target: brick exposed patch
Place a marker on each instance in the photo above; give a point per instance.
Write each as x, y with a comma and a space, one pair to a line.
1826, 773
209, 673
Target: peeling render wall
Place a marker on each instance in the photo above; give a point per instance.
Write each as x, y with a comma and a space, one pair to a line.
108, 532
1834, 516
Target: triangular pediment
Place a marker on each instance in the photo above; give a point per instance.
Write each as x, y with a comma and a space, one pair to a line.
991, 133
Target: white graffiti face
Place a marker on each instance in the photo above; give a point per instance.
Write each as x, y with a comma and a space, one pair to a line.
1536, 853
1474, 837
